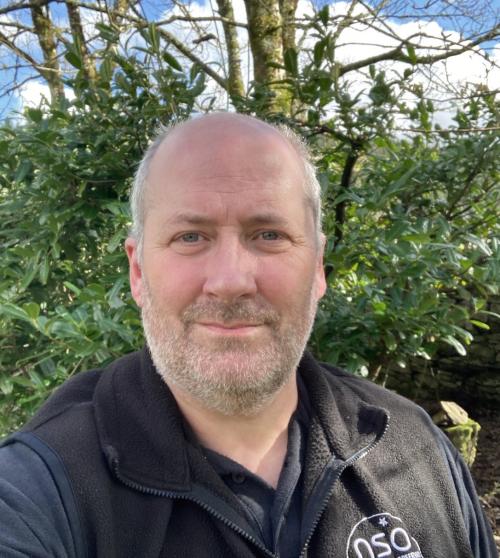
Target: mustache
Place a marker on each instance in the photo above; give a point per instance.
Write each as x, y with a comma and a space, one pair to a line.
248, 311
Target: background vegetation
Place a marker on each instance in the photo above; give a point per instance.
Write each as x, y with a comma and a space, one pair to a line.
411, 207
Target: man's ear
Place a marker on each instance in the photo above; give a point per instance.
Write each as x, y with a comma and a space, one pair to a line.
135, 271
320, 269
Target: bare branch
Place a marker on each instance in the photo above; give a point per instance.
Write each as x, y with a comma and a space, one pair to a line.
397, 54
22, 6
19, 52
181, 47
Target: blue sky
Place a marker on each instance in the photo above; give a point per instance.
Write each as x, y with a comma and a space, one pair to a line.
489, 9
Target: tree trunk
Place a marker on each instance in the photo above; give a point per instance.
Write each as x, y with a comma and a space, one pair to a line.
287, 11
75, 23
264, 32
44, 31
234, 81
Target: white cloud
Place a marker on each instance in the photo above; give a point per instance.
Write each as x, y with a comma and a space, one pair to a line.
440, 81
32, 93
356, 42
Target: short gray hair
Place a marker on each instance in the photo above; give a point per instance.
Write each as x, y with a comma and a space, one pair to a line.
312, 186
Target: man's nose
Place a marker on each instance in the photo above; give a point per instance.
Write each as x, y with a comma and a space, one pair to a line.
230, 271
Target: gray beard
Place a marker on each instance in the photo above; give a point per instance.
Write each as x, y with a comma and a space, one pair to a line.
230, 375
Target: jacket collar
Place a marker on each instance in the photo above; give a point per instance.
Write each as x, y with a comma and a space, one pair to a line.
347, 413
141, 427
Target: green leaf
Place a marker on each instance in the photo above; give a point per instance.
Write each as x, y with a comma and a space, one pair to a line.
412, 55
106, 69
73, 58
107, 32
44, 270
63, 329
6, 386
291, 63
194, 71
199, 86
113, 295
416, 237
489, 313
171, 61
47, 365
154, 38
480, 325
390, 341
34, 114
32, 309
480, 243
324, 15
122, 82
36, 379
21, 381
379, 307
319, 49
23, 170
72, 287
31, 271
455, 343
115, 241
13, 311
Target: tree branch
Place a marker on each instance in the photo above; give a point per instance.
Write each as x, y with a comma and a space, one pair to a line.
345, 183
234, 81
17, 51
44, 32
75, 24
397, 54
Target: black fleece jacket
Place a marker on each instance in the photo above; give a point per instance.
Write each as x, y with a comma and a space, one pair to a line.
379, 480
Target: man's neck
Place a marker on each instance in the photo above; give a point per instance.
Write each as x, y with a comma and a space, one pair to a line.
258, 442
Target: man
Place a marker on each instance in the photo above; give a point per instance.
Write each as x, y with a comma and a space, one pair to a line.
222, 438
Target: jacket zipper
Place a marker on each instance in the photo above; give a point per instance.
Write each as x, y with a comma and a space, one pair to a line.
176, 495
201, 503
347, 463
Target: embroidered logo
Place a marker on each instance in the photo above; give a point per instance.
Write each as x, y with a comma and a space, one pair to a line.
381, 536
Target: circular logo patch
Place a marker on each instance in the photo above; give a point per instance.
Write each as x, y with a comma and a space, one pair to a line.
381, 536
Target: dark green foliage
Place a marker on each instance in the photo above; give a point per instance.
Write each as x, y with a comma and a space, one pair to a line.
65, 173
419, 254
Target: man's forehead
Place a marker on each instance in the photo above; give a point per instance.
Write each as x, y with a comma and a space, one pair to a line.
233, 156
223, 139
220, 124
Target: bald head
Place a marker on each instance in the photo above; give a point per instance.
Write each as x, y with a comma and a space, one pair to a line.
223, 140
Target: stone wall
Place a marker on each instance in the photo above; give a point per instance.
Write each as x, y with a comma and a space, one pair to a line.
471, 380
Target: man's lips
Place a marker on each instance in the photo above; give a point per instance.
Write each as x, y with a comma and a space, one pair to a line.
232, 328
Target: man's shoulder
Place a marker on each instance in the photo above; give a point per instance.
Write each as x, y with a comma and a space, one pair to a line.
79, 390
350, 386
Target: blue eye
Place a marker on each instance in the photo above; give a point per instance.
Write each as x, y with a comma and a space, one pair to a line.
270, 235
190, 237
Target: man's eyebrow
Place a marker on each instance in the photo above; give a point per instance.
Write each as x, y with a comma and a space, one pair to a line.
190, 219
267, 218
